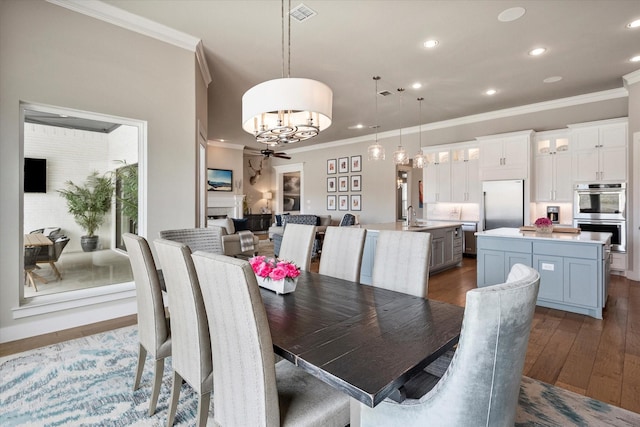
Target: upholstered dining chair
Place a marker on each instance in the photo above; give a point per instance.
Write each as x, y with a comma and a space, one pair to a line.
191, 357
401, 262
154, 331
342, 252
207, 239
481, 384
297, 244
347, 220
250, 389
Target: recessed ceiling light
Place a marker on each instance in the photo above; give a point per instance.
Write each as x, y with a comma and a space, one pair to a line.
634, 24
511, 14
358, 126
490, 92
416, 85
635, 59
537, 51
552, 79
431, 43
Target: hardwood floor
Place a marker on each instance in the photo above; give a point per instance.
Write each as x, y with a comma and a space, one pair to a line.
596, 358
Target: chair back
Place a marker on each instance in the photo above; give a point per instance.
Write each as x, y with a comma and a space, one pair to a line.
191, 353
401, 262
207, 239
30, 257
243, 360
153, 330
342, 252
297, 244
58, 247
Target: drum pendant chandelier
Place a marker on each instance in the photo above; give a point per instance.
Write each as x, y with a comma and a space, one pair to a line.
286, 110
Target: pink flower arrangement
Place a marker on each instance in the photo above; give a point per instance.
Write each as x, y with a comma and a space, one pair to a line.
543, 222
273, 269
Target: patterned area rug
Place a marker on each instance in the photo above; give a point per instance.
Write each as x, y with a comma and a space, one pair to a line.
89, 381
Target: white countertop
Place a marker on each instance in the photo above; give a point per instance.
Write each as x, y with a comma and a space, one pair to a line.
421, 226
582, 237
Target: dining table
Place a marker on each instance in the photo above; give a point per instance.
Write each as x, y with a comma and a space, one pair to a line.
365, 341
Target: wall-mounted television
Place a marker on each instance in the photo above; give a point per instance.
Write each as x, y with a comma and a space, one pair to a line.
35, 175
219, 180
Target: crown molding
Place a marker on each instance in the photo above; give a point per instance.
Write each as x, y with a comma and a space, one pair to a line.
492, 115
220, 144
631, 78
202, 63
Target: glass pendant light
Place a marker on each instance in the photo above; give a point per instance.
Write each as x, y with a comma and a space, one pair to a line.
376, 151
419, 160
400, 155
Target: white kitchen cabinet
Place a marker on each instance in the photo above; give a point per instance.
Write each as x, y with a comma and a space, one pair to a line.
437, 176
465, 178
553, 167
505, 156
600, 150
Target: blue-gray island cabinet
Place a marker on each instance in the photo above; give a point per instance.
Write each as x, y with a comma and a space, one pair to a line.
574, 268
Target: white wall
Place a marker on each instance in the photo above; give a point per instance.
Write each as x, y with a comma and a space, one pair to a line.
53, 56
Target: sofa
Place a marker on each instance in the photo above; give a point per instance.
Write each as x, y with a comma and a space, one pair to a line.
276, 231
231, 238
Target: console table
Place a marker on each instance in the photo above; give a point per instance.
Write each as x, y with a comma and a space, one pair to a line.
259, 222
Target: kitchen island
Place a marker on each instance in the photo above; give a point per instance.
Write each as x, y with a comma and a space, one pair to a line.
574, 268
446, 244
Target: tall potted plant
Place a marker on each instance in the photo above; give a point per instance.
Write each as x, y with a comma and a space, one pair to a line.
89, 204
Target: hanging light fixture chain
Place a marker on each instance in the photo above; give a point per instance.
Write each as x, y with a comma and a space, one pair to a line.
289, 39
420, 121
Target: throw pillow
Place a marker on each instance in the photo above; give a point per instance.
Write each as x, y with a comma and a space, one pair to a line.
240, 224
225, 223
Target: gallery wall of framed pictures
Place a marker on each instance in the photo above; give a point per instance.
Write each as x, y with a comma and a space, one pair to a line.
344, 184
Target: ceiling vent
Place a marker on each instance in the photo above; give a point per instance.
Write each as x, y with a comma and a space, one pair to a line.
385, 93
301, 13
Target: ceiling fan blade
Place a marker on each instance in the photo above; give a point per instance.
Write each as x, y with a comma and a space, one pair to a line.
282, 156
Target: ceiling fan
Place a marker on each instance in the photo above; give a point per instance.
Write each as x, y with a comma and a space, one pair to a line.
267, 152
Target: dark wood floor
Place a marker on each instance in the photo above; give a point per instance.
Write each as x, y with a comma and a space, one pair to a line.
596, 358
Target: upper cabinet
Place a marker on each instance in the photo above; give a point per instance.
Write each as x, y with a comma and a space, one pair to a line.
465, 172
600, 150
505, 156
437, 175
552, 165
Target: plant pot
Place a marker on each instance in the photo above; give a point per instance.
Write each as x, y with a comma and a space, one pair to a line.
89, 243
283, 286
544, 229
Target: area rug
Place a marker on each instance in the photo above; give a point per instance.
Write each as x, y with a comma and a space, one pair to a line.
89, 382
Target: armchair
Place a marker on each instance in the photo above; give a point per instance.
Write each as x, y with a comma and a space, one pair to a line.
236, 242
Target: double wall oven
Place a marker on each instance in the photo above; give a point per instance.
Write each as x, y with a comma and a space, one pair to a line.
602, 208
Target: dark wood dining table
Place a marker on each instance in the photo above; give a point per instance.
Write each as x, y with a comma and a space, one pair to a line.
365, 341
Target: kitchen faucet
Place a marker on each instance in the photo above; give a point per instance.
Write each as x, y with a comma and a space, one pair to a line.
410, 215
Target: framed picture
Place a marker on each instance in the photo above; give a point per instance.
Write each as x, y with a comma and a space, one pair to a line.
219, 180
331, 185
343, 165
356, 163
343, 203
356, 202
331, 203
331, 166
343, 183
356, 182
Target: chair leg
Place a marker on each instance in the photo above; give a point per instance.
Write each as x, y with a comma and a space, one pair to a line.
33, 282
55, 270
158, 371
203, 408
173, 401
142, 355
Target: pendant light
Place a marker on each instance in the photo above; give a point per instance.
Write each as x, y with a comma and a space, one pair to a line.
286, 110
400, 155
419, 160
376, 151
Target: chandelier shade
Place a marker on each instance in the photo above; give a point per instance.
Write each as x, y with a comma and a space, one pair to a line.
376, 152
287, 110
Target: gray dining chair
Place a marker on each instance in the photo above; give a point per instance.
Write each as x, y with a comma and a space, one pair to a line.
250, 389
53, 254
342, 252
207, 239
154, 331
401, 262
191, 357
297, 244
481, 384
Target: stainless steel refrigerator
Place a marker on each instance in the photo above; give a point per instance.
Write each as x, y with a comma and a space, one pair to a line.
503, 203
